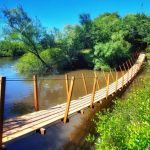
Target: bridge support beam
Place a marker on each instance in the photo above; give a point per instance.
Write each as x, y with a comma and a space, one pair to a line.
107, 87
41, 131
116, 81
93, 92
2, 101
67, 85
112, 75
36, 102
84, 83
95, 74
65, 120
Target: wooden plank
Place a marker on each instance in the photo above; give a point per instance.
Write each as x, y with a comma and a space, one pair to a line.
33, 128
42, 120
79, 102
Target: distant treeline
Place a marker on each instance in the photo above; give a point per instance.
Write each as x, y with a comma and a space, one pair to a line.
101, 43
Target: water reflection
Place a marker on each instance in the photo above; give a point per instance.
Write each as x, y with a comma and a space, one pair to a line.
21, 108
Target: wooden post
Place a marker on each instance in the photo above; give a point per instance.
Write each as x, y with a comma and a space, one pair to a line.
116, 80
93, 92
104, 76
136, 54
131, 69
97, 80
120, 69
127, 71
69, 100
127, 65
107, 87
2, 101
35, 86
111, 75
84, 82
124, 67
67, 84
132, 61
122, 79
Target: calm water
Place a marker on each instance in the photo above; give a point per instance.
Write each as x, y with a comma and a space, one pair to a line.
52, 89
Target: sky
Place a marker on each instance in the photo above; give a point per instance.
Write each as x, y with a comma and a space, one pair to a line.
58, 13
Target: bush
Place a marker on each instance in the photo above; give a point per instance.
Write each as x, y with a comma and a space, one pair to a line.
30, 64
111, 53
11, 49
148, 49
127, 126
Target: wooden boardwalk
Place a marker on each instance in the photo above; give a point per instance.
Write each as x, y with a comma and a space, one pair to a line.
18, 126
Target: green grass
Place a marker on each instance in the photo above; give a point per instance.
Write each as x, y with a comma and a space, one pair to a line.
127, 125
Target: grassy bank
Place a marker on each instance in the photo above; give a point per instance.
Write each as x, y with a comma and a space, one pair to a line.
127, 125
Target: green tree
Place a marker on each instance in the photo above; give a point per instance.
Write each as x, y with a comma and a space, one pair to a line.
48, 41
11, 49
137, 26
112, 53
30, 31
104, 26
30, 64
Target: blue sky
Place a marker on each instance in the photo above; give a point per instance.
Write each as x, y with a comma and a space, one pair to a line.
58, 13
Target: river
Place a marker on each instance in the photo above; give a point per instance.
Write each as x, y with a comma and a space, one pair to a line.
51, 89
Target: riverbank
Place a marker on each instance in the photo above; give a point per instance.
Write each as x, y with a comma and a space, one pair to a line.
126, 126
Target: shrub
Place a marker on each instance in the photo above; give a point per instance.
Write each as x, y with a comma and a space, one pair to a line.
30, 64
111, 53
127, 126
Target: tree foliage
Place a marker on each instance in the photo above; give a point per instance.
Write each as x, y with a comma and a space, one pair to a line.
110, 38
31, 32
112, 53
11, 49
127, 126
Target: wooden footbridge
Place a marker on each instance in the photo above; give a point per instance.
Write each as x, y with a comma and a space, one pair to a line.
18, 126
